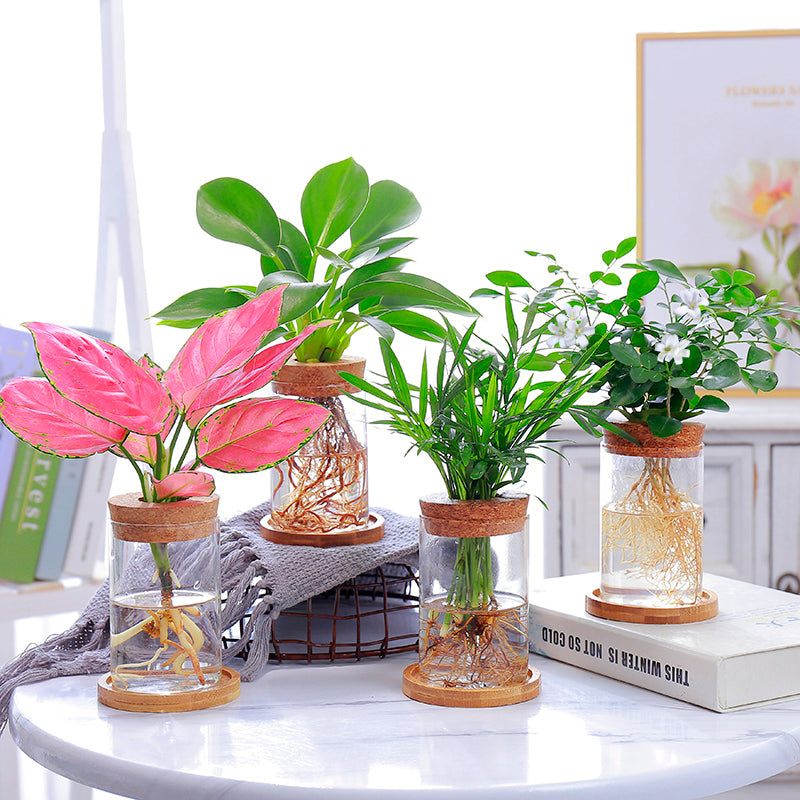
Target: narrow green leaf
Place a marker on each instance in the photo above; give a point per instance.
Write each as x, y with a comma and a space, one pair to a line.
405, 290
793, 262
294, 249
665, 268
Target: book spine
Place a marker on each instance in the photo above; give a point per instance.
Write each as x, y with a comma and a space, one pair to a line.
25, 512
17, 357
88, 535
59, 522
620, 654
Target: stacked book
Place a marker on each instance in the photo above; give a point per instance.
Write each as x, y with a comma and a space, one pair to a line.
53, 510
748, 655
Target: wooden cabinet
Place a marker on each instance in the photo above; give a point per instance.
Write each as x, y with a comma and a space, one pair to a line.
752, 496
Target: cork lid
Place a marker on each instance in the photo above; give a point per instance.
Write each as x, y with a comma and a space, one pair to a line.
134, 520
444, 516
318, 378
686, 443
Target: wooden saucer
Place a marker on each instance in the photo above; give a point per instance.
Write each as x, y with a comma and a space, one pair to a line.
223, 691
462, 697
373, 532
706, 608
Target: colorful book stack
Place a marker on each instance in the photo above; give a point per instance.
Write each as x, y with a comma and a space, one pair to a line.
52, 510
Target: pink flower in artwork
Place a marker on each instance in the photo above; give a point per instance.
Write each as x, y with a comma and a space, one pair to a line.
764, 195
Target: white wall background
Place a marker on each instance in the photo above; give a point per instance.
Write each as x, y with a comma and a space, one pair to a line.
514, 123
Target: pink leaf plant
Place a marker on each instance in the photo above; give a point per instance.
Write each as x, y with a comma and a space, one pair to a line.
94, 398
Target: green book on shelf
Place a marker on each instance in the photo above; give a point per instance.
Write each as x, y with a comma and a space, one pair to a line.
25, 512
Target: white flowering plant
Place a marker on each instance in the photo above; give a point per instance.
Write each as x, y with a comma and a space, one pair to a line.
670, 364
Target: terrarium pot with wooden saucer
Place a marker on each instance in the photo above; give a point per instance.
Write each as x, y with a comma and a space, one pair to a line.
662, 373
320, 496
479, 416
165, 564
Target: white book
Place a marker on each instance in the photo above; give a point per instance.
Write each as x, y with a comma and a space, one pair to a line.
748, 655
87, 538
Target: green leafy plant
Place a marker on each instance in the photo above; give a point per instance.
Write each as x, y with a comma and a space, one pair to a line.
481, 413
697, 339
354, 285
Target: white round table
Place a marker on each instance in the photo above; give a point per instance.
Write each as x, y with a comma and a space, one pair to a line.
347, 731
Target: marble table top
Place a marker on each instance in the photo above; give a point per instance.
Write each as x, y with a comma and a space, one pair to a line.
347, 731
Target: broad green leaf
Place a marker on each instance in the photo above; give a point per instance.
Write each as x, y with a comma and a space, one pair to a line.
506, 277
678, 382
294, 251
333, 200
298, 297
201, 304
641, 284
722, 375
608, 257
537, 362
486, 293
662, 426
721, 276
385, 247
366, 273
625, 247
390, 208
624, 353
665, 268
404, 290
235, 211
763, 380
743, 277
385, 331
740, 295
640, 375
611, 279
755, 355
710, 402
414, 324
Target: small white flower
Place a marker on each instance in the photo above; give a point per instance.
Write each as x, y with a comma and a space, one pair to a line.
581, 330
692, 299
671, 348
574, 313
563, 334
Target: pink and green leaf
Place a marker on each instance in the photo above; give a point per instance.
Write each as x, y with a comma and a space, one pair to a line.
221, 345
101, 378
145, 448
250, 377
255, 434
37, 413
185, 483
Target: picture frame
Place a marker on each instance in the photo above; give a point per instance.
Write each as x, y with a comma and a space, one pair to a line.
718, 159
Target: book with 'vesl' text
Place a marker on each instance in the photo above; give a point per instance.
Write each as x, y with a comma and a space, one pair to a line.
748, 655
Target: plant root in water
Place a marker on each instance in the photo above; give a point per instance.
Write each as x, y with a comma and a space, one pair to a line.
655, 535
479, 649
323, 487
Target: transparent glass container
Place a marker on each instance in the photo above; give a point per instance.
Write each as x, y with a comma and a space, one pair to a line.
323, 487
165, 595
474, 591
651, 518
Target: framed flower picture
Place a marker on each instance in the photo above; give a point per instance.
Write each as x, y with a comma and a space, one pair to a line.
719, 159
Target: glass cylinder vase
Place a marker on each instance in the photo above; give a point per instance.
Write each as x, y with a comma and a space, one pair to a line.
322, 488
165, 595
473, 592
652, 518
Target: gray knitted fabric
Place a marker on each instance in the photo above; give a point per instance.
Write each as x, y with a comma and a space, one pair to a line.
250, 564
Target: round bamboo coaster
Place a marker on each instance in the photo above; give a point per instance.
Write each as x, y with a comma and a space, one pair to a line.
706, 608
373, 532
227, 688
462, 697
